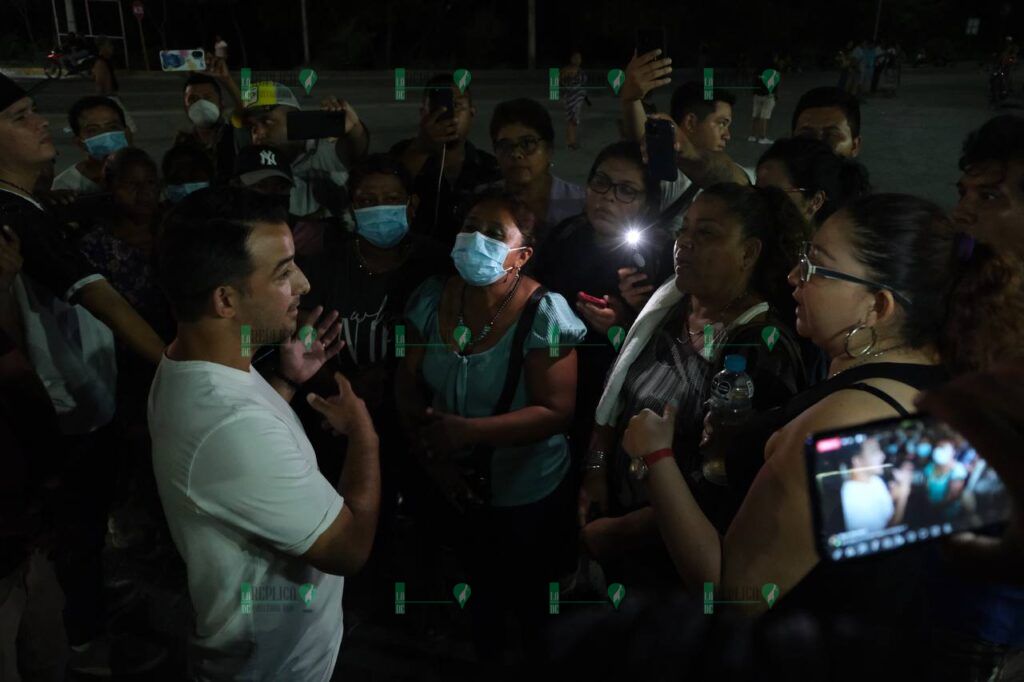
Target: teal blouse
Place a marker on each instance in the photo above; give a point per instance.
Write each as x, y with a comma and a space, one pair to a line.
470, 386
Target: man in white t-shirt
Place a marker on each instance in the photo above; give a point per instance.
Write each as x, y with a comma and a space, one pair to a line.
321, 165
266, 538
867, 502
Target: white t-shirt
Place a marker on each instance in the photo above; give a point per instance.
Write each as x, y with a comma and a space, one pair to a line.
71, 178
867, 505
670, 191
319, 163
243, 497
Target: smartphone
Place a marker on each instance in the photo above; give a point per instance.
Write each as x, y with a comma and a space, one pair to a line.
660, 138
315, 125
441, 97
183, 60
894, 483
650, 39
599, 302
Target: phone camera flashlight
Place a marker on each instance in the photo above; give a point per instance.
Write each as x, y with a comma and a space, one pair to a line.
633, 237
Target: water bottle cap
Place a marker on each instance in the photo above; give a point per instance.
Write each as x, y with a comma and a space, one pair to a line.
735, 363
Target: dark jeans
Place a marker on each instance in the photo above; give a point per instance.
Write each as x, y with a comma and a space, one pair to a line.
511, 554
88, 483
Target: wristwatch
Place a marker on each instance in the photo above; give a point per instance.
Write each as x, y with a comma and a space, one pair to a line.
640, 467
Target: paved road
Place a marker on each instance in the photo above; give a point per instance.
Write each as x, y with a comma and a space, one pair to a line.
911, 142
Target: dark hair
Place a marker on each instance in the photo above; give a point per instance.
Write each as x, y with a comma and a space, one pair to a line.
812, 165
379, 164
523, 217
1000, 139
189, 151
828, 96
441, 81
908, 244
688, 98
123, 159
203, 245
526, 111
202, 79
92, 102
630, 151
767, 214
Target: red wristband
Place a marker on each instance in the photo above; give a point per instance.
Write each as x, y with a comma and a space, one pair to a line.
651, 458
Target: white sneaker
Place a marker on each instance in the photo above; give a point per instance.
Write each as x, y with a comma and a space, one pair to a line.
751, 139
764, 140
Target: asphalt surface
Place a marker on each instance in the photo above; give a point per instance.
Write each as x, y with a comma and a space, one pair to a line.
911, 142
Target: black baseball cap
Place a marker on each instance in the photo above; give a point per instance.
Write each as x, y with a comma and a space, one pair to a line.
11, 92
258, 162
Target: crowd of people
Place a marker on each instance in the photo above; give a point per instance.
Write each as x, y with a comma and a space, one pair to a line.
263, 360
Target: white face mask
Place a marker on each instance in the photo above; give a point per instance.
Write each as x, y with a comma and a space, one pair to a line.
204, 113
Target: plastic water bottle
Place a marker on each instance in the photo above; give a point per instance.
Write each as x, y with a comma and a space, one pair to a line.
732, 393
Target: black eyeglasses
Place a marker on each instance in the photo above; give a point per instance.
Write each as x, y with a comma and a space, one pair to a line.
601, 184
807, 269
528, 144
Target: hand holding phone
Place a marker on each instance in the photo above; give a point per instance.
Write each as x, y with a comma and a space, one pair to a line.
183, 60
593, 300
441, 98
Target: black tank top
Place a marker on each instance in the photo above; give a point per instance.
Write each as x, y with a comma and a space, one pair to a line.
887, 589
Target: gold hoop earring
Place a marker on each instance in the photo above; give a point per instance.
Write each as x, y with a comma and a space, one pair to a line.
867, 349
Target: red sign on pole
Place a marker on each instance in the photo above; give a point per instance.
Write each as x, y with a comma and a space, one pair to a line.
138, 10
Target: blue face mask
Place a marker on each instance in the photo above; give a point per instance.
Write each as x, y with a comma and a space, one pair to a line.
383, 226
103, 145
175, 193
479, 259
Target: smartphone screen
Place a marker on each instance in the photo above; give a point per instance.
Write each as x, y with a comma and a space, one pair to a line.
897, 482
183, 60
442, 97
315, 125
650, 39
661, 155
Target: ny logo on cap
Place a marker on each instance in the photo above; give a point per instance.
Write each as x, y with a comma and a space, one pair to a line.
267, 158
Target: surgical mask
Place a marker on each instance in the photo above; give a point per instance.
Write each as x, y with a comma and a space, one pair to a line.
204, 113
924, 449
479, 259
103, 145
942, 455
175, 193
383, 226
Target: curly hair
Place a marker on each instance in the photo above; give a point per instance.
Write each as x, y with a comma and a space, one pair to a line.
985, 324
767, 214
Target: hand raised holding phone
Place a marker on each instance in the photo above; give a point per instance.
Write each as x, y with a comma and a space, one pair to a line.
644, 73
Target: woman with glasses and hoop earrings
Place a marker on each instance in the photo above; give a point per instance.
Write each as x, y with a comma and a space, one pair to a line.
524, 142
874, 289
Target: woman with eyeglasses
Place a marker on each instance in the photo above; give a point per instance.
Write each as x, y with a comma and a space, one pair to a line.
486, 393
872, 289
524, 142
731, 257
817, 180
584, 254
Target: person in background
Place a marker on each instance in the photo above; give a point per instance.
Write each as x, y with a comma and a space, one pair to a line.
220, 48
868, 503
208, 110
33, 641
573, 79
818, 181
731, 256
447, 168
98, 124
322, 165
765, 99
186, 168
368, 277
261, 169
524, 142
67, 317
103, 73
584, 256
519, 537
831, 115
